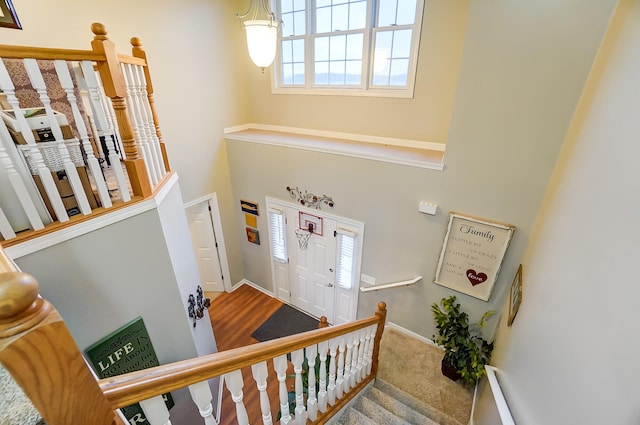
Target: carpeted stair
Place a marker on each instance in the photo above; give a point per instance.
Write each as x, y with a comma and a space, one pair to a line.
383, 403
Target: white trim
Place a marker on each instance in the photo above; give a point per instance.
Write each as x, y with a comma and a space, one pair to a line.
84, 227
221, 246
390, 285
440, 147
254, 286
405, 331
498, 396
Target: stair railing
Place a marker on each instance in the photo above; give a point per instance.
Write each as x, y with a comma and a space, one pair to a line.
108, 117
39, 352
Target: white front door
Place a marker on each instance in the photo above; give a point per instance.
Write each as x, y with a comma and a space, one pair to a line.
204, 245
312, 271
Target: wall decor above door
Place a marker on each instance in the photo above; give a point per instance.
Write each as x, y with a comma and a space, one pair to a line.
308, 199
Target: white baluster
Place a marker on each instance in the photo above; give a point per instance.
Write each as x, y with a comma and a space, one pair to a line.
147, 119
201, 396
331, 389
355, 372
297, 358
346, 383
94, 166
136, 122
280, 366
340, 374
104, 126
6, 85
5, 227
35, 76
361, 355
312, 402
233, 381
259, 371
323, 348
371, 333
156, 411
16, 181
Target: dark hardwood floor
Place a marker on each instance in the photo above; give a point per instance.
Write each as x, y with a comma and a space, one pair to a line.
234, 317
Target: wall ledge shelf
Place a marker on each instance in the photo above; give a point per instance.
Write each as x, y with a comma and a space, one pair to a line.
412, 153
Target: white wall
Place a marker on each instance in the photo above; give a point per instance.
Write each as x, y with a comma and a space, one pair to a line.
196, 51
571, 354
522, 68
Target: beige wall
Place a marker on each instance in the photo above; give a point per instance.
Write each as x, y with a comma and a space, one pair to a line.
570, 356
522, 69
425, 117
198, 72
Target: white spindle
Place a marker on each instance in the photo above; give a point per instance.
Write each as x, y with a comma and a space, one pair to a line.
340, 375
94, 166
140, 135
280, 366
371, 334
297, 358
361, 355
147, 119
312, 402
331, 389
35, 76
104, 126
5, 227
323, 348
233, 381
16, 181
346, 383
6, 85
201, 396
156, 411
259, 371
355, 372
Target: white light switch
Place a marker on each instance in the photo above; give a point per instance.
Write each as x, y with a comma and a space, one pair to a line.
368, 279
427, 207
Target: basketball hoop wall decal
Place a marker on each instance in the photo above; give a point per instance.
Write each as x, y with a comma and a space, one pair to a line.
309, 199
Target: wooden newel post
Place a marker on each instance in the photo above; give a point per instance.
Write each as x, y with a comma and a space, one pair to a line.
114, 88
382, 314
138, 52
323, 323
39, 352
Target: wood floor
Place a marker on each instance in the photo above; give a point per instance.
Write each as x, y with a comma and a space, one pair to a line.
234, 317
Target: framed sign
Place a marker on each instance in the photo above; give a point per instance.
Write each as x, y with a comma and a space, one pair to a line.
472, 253
515, 295
126, 350
8, 17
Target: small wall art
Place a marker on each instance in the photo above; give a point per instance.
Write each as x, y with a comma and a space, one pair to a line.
515, 295
249, 207
8, 17
253, 235
472, 254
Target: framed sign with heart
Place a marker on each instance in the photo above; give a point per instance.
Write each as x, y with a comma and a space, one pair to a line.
472, 254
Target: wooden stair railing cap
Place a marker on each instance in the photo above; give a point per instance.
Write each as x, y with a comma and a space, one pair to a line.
99, 30
21, 308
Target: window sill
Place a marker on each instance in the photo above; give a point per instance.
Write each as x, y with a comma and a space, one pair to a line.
396, 151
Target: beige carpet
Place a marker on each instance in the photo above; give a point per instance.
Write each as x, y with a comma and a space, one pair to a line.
414, 367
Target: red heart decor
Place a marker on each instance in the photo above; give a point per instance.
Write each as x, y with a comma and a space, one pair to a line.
476, 278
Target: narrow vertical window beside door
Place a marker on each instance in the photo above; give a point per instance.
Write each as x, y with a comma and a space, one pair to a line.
345, 256
278, 239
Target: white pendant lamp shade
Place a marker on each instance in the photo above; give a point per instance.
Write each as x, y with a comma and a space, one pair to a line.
261, 41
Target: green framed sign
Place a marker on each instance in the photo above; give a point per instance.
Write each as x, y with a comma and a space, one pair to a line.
125, 350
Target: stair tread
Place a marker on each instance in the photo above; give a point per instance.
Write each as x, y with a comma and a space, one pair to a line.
377, 413
352, 416
398, 408
414, 404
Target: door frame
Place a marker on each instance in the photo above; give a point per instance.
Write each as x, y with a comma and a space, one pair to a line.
358, 226
214, 213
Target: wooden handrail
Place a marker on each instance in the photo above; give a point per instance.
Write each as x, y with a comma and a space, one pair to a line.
132, 60
45, 53
123, 390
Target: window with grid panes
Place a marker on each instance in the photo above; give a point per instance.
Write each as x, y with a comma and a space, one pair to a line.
366, 47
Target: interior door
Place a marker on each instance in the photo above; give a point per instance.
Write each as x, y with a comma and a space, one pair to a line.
312, 269
205, 247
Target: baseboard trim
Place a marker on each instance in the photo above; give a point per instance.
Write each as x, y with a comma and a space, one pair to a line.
406, 331
254, 286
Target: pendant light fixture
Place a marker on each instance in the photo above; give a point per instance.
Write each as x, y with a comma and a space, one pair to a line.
261, 26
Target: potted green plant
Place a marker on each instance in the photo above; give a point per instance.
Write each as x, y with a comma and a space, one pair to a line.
466, 352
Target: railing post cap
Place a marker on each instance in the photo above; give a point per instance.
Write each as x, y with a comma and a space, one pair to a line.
136, 42
17, 292
99, 30
382, 306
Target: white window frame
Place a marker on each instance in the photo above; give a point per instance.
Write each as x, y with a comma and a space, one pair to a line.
366, 88
345, 276
278, 243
